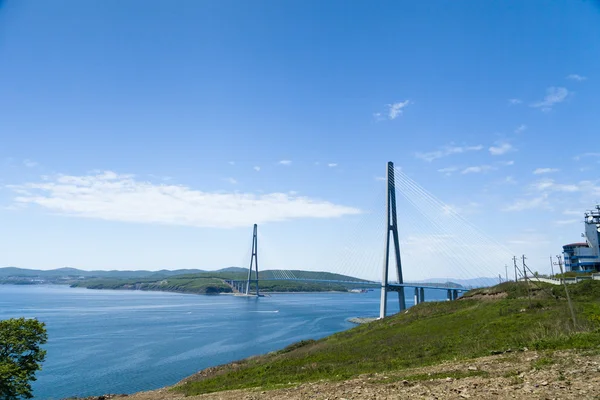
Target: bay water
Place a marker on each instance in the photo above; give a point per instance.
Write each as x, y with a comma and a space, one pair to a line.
109, 341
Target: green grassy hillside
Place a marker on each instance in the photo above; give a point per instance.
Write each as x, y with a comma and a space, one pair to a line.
485, 321
173, 284
212, 282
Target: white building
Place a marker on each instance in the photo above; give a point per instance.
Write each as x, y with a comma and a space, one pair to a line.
585, 256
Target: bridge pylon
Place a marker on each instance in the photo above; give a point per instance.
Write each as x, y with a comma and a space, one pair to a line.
391, 228
253, 262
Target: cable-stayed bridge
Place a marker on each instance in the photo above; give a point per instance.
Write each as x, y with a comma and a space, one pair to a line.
429, 232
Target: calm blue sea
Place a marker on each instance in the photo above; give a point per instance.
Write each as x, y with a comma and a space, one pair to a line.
105, 341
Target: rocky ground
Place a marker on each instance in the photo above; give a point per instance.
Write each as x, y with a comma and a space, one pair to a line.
511, 375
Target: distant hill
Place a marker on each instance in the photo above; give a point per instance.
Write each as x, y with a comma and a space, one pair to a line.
297, 274
233, 269
474, 282
74, 272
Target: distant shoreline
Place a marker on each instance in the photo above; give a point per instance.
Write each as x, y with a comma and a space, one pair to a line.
167, 291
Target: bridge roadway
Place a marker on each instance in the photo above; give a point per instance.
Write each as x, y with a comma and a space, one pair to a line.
375, 283
452, 290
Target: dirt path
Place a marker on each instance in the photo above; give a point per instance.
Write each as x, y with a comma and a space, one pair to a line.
520, 375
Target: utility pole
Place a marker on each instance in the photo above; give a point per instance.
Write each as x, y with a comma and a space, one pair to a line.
551, 267
525, 275
515, 262
559, 258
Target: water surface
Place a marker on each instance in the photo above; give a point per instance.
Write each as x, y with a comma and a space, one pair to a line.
105, 341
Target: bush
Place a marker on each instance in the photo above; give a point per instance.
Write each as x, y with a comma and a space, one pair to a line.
20, 356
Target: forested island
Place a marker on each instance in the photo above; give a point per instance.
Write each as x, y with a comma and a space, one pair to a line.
180, 281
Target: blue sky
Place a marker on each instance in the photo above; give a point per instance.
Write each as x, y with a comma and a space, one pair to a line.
149, 134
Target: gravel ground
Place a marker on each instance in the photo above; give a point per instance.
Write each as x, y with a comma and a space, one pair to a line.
513, 375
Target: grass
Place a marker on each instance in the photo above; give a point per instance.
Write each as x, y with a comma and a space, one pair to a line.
213, 283
543, 362
424, 335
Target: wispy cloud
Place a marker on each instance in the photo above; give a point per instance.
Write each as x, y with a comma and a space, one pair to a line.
549, 185
567, 221
448, 170
380, 178
521, 128
332, 165
285, 162
513, 102
233, 181
256, 168
554, 95
575, 77
446, 151
539, 171
585, 155
477, 169
231, 163
30, 164
117, 197
394, 110
500, 148
527, 204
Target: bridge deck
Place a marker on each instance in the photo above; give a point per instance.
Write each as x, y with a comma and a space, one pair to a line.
439, 286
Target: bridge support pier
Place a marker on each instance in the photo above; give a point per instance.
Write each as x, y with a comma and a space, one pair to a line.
416, 296
449, 295
422, 295
454, 294
391, 227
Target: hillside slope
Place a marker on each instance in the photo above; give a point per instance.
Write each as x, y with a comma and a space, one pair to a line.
486, 321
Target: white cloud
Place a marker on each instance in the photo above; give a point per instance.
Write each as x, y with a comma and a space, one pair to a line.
231, 163
30, 163
567, 221
116, 197
477, 169
521, 128
548, 185
396, 109
332, 165
585, 155
285, 162
233, 181
507, 163
257, 168
514, 101
529, 239
575, 77
500, 148
554, 95
539, 171
446, 151
448, 170
527, 204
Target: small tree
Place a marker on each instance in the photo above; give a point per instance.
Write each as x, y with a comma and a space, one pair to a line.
20, 356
